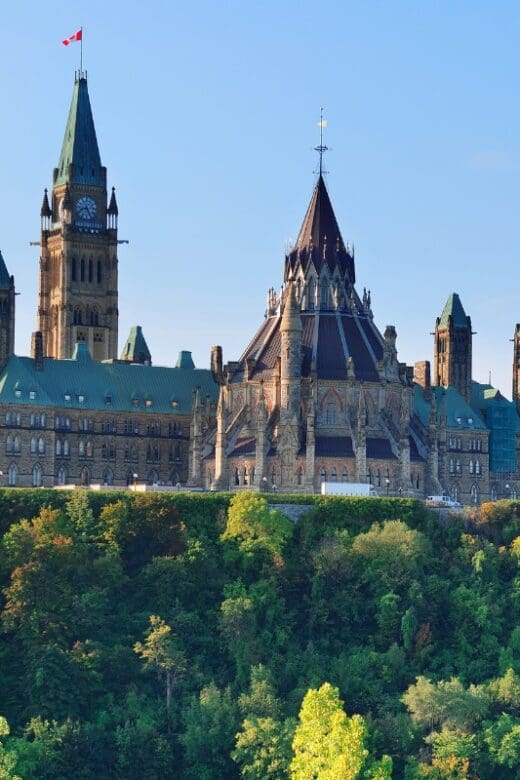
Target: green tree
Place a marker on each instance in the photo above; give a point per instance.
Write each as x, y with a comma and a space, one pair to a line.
446, 703
161, 653
327, 744
255, 527
8, 758
263, 748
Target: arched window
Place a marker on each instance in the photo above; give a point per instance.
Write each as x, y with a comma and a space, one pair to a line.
58, 447
85, 477
471, 467
88, 449
323, 474
330, 413
129, 477
90, 271
153, 477
99, 272
108, 477
66, 449
494, 493
344, 475
369, 475
312, 294
9, 444
324, 294
454, 492
34, 445
41, 445
12, 475
452, 466
474, 494
37, 475
81, 448
458, 468
478, 467
62, 476
16, 444
333, 475
82, 270
73, 270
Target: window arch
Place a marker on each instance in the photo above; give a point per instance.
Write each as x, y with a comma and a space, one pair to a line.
472, 467
73, 268
99, 273
66, 448
344, 474
323, 474
62, 476
16, 445
9, 443
82, 266
108, 477
88, 449
90, 271
333, 475
81, 448
478, 467
37, 475
85, 477
41, 445
58, 447
12, 475
474, 494
34, 445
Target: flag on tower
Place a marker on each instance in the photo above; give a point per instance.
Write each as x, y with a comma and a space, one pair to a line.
76, 37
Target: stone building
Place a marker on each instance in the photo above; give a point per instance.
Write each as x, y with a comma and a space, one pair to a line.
72, 413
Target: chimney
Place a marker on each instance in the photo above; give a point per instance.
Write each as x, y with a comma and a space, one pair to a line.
37, 349
421, 375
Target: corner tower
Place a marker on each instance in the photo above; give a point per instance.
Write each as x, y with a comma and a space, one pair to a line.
452, 348
77, 299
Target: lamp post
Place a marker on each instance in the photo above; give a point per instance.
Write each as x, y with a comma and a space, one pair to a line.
135, 475
508, 489
387, 483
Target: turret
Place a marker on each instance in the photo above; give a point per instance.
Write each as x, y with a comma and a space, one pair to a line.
453, 348
7, 312
291, 355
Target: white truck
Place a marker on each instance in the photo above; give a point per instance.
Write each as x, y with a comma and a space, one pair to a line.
347, 489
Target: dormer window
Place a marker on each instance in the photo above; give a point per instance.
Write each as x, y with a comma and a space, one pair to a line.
175, 403
108, 400
81, 399
18, 393
149, 402
67, 396
32, 395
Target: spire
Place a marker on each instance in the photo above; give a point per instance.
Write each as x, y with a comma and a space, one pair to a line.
80, 147
320, 238
45, 210
136, 349
455, 310
112, 206
5, 279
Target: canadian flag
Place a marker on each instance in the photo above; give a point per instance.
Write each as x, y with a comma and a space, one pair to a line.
76, 37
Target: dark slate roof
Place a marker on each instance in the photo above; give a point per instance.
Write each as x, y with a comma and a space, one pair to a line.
379, 448
103, 386
455, 310
334, 446
246, 446
358, 332
319, 240
5, 279
503, 422
80, 146
136, 349
450, 404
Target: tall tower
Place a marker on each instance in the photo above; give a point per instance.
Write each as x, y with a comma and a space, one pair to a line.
452, 348
77, 299
7, 299
516, 367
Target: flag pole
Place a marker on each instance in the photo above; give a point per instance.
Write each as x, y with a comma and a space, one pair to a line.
81, 51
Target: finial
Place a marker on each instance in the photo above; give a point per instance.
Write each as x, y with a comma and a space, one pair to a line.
321, 149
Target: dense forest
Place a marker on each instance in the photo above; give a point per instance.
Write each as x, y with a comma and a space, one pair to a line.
203, 637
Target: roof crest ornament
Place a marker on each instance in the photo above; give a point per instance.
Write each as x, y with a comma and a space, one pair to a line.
321, 148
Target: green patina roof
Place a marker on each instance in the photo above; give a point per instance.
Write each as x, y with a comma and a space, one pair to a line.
455, 310
450, 404
103, 386
136, 349
5, 279
502, 420
184, 360
80, 146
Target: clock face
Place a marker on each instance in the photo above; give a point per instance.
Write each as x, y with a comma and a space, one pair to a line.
86, 208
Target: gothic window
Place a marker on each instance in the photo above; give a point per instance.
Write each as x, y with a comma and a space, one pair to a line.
73, 269
323, 475
58, 447
85, 477
474, 494
41, 446
330, 414
90, 271
108, 477
174, 478
369, 475
471, 467
81, 448
66, 450
76, 317
237, 477
130, 477
99, 272
37, 475
478, 467
12, 475
312, 294
82, 270
458, 467
9, 446
494, 493
16, 445
454, 493
344, 475
62, 476
513, 493
34, 445
333, 475
245, 476
452, 466
88, 449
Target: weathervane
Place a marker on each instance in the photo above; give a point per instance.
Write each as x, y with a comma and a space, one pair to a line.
321, 149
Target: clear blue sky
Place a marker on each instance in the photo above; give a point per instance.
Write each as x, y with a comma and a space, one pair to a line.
206, 116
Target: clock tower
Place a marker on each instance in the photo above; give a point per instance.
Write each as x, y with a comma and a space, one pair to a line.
77, 298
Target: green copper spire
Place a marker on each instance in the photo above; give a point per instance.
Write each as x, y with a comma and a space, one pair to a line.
136, 349
455, 310
80, 147
5, 279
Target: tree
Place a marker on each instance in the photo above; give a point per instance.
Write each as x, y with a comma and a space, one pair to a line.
210, 723
256, 527
161, 653
263, 748
446, 703
8, 759
327, 744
